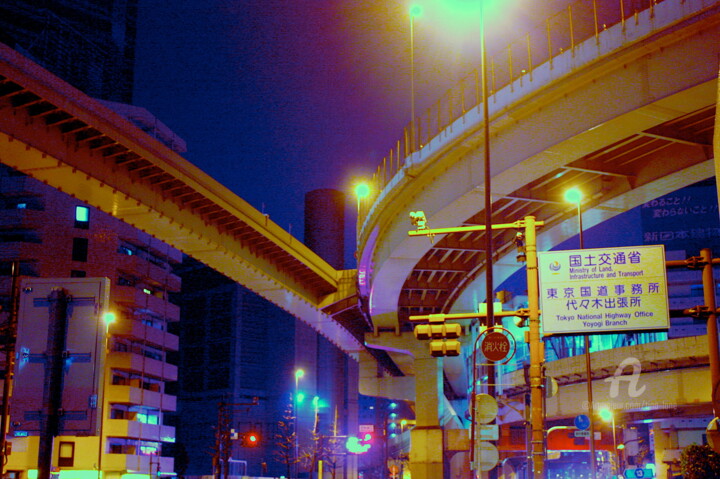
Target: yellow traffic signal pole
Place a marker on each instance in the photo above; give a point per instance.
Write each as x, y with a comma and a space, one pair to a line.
537, 353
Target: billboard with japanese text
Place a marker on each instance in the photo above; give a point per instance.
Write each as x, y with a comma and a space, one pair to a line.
603, 290
685, 220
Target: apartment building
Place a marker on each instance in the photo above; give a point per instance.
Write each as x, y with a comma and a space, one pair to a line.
55, 236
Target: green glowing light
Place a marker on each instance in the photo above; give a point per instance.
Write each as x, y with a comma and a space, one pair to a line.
605, 414
573, 195
362, 190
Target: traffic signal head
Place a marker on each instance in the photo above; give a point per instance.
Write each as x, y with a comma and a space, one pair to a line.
250, 439
443, 335
439, 348
438, 331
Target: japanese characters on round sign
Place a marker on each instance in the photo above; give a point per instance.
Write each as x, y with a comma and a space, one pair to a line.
495, 346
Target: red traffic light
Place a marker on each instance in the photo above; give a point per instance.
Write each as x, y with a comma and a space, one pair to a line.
250, 439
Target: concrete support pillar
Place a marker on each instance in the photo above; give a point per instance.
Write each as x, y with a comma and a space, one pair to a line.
666, 448
426, 453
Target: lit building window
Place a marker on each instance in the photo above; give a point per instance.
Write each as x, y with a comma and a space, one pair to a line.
66, 454
82, 217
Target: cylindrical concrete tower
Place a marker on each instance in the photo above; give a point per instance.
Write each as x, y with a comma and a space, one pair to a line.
325, 225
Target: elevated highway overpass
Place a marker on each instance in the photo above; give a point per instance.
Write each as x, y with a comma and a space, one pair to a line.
628, 113
56, 134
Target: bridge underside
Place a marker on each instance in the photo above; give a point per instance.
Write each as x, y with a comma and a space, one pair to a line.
56, 134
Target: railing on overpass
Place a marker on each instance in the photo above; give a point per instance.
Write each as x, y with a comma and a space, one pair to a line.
562, 32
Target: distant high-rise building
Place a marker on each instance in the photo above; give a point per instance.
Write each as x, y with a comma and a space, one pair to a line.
325, 225
239, 357
89, 44
238, 360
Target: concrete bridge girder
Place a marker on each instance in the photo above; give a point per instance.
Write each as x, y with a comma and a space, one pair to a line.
405, 350
659, 390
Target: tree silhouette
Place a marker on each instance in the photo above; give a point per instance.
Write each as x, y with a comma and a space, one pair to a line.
285, 438
700, 462
334, 450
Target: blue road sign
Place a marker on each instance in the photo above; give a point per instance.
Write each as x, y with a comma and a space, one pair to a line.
582, 421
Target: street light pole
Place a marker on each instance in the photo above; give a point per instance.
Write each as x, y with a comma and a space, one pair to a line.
608, 415
415, 10
488, 199
489, 294
108, 318
615, 449
575, 196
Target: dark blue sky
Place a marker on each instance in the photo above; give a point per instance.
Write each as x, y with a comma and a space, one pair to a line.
272, 97
276, 98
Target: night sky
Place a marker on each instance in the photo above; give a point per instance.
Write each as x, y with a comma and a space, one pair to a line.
276, 98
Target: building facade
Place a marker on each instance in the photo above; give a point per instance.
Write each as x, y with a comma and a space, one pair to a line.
52, 235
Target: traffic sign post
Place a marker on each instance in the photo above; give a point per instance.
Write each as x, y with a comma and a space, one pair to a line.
487, 456
488, 432
486, 410
526, 242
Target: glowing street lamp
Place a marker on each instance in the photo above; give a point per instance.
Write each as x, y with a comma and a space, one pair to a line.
574, 195
362, 191
109, 318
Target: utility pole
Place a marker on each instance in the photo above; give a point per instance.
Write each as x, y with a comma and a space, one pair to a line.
10, 334
537, 352
709, 312
223, 440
